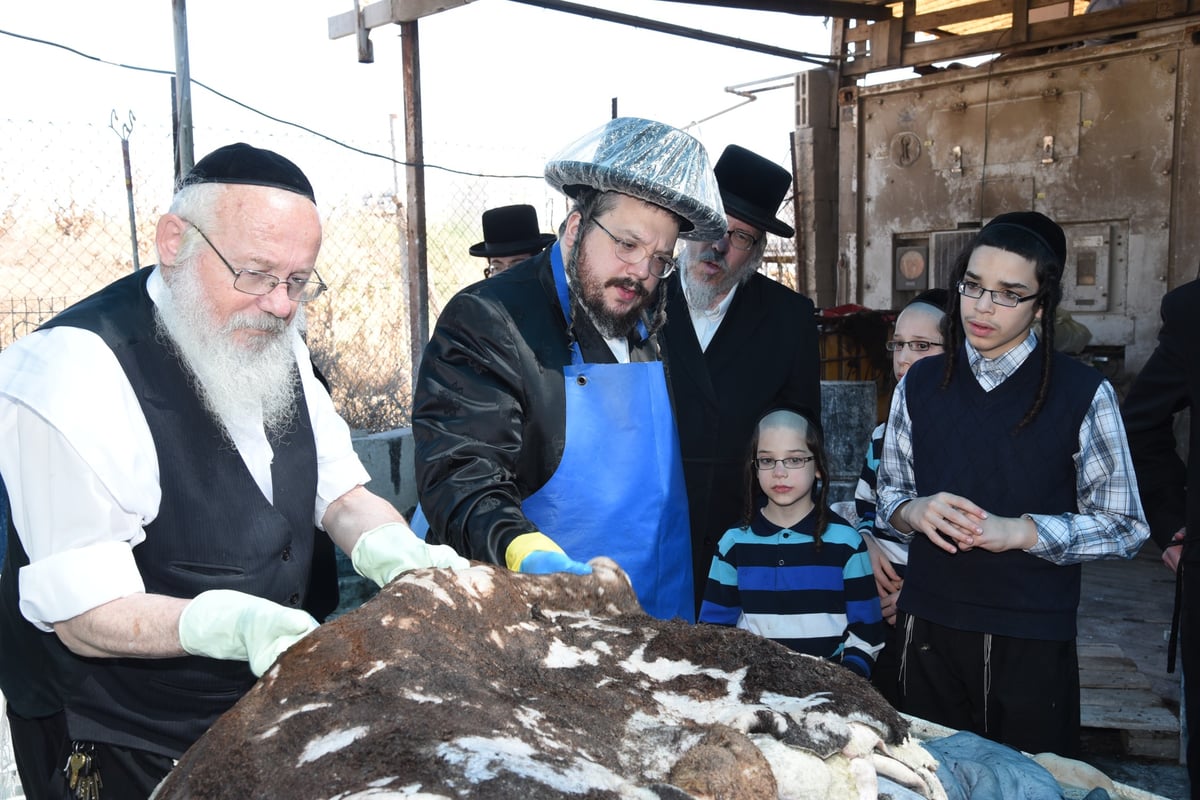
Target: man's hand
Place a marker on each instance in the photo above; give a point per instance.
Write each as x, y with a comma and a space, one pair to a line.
1006, 533
384, 552
541, 562
534, 553
222, 623
1173, 551
887, 581
951, 522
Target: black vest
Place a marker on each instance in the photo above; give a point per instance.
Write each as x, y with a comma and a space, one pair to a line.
964, 442
214, 530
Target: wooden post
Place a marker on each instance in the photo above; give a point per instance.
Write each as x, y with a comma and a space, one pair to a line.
414, 154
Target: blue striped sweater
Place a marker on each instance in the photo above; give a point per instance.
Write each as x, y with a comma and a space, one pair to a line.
774, 582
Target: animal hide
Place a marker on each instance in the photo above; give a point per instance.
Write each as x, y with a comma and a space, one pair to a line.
483, 683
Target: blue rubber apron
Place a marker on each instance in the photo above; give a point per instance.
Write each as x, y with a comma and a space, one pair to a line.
618, 490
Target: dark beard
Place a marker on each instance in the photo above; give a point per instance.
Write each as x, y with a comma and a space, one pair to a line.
588, 294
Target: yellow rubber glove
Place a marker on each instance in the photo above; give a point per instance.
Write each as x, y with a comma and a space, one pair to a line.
383, 553
535, 553
223, 623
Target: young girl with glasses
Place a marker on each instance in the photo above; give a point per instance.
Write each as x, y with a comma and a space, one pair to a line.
918, 334
795, 571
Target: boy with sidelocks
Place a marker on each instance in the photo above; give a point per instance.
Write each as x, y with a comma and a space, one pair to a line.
1010, 462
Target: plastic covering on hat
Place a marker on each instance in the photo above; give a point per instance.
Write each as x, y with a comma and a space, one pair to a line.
650, 161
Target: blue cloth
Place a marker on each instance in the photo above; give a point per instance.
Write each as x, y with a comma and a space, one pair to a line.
975, 768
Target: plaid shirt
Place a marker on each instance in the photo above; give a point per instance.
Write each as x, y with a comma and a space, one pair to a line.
1110, 522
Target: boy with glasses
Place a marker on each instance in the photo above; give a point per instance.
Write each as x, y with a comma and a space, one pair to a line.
1005, 463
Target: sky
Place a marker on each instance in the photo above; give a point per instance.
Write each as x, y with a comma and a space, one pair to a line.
496, 74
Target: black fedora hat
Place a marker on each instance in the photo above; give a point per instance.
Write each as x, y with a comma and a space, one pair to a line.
752, 188
510, 230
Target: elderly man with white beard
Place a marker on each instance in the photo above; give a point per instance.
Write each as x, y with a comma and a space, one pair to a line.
737, 344
171, 460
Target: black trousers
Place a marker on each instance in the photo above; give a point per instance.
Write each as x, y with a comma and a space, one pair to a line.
885, 675
1021, 692
41, 747
1189, 646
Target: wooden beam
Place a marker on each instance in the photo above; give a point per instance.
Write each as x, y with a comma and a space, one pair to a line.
414, 154
387, 12
1040, 34
1020, 21
841, 9
676, 30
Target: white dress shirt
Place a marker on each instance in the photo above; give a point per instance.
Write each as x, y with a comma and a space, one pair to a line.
706, 321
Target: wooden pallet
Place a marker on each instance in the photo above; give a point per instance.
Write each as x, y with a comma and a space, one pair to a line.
1114, 696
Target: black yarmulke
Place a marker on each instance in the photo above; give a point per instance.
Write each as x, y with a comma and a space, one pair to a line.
1034, 224
242, 163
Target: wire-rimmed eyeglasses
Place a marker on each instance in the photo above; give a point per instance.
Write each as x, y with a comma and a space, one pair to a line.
791, 462
661, 264
740, 240
251, 281
1001, 297
916, 345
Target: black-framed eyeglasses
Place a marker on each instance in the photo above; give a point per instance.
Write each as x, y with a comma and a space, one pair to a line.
917, 346
791, 462
661, 264
1001, 297
741, 240
251, 281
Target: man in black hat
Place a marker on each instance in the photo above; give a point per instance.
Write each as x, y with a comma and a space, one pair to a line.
168, 454
510, 235
738, 343
1167, 385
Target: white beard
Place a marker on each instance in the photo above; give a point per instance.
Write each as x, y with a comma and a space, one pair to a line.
703, 294
238, 384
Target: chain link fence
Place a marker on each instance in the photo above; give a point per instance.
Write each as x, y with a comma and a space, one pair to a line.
66, 231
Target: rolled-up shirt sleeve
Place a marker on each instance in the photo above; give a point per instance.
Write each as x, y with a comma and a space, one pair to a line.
339, 468
80, 470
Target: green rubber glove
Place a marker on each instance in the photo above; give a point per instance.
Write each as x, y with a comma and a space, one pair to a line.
223, 623
383, 553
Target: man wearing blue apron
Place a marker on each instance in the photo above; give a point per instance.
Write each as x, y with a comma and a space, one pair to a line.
543, 424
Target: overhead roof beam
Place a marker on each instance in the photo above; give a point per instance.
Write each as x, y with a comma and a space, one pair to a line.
804, 8
679, 30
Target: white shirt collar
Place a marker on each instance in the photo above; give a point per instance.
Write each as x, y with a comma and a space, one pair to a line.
706, 321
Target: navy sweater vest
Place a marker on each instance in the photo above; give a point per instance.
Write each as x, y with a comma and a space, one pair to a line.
964, 441
214, 530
